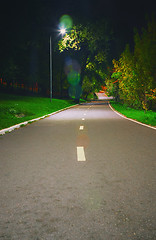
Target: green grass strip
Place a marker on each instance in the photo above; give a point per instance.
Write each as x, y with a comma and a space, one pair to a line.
148, 117
17, 109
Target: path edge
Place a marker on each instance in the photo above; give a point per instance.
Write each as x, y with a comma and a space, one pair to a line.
11, 128
130, 119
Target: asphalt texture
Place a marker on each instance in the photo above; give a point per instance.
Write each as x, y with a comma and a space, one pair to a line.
47, 194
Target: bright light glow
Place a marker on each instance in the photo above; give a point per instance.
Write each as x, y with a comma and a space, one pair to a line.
66, 22
62, 31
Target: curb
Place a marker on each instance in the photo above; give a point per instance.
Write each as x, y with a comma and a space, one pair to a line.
130, 119
10, 129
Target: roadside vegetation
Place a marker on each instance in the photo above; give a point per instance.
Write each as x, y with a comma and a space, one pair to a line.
133, 77
147, 117
17, 109
130, 78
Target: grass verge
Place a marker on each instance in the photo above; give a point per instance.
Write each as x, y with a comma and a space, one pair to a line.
148, 117
16, 109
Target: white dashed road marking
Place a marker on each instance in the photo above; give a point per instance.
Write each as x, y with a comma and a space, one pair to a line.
80, 154
81, 128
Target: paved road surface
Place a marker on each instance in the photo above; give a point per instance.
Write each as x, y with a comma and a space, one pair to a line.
103, 96
47, 194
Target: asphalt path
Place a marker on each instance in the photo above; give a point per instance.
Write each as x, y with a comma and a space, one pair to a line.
84, 173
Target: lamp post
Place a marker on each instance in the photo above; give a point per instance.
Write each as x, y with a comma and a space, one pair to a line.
50, 69
62, 32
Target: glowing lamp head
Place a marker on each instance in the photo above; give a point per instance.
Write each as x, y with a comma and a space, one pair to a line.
62, 31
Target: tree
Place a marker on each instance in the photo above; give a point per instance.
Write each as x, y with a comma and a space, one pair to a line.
145, 61
89, 45
128, 83
135, 71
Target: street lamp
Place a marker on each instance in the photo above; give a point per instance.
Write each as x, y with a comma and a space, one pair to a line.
62, 31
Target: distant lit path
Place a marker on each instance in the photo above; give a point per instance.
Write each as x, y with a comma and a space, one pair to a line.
103, 96
84, 173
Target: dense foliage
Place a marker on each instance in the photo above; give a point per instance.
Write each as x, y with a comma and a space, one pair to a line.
134, 77
89, 45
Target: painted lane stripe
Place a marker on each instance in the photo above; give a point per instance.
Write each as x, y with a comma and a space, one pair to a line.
83, 119
81, 128
80, 154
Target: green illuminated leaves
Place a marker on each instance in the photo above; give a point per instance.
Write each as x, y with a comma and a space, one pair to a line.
90, 66
70, 41
89, 45
101, 57
135, 71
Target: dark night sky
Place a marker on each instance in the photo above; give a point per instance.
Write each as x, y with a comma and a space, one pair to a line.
24, 14
119, 11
